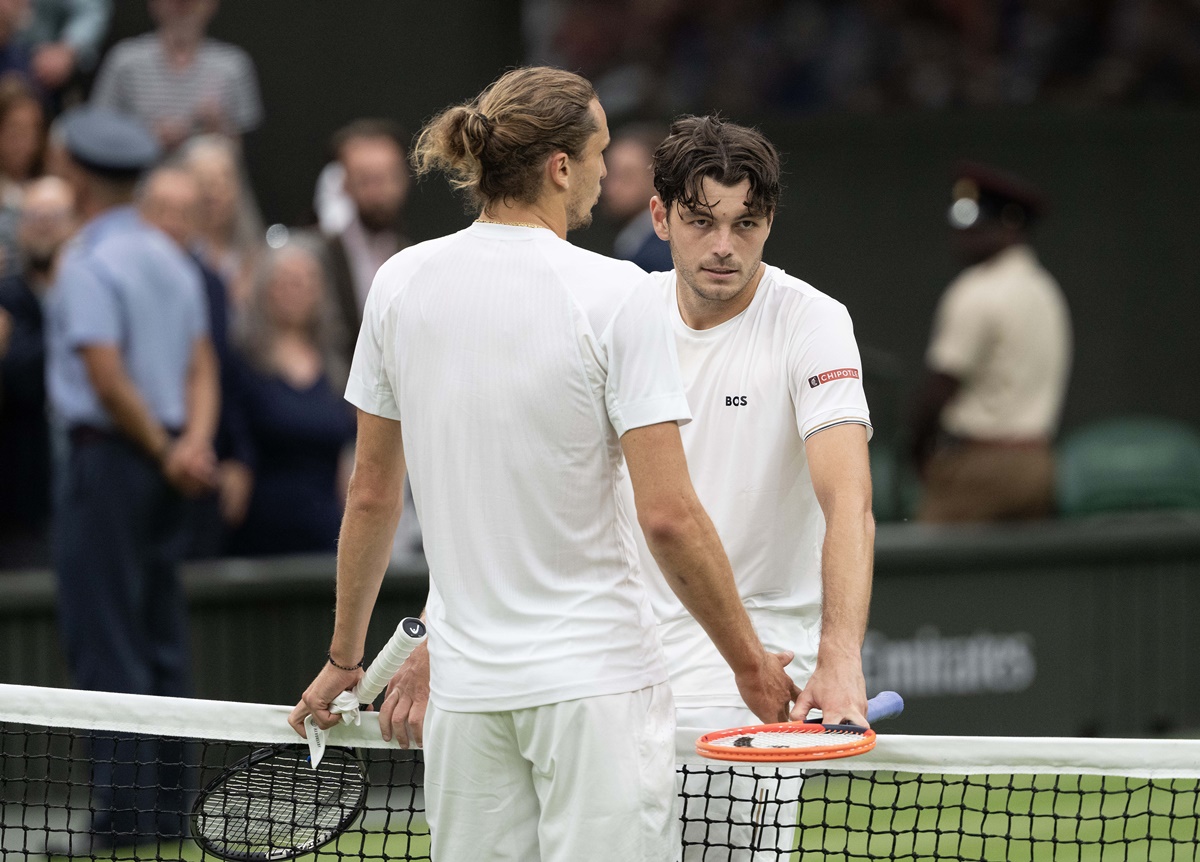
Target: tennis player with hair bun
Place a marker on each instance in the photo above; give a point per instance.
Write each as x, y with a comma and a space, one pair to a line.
516, 376
777, 453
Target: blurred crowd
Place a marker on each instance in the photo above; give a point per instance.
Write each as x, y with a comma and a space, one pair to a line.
661, 57
282, 315
284, 305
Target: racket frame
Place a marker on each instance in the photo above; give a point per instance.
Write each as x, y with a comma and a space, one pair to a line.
845, 740
886, 704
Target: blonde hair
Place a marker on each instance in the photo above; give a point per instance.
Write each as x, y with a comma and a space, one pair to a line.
493, 147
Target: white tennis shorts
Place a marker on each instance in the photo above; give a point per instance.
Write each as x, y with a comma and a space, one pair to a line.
589, 780
735, 814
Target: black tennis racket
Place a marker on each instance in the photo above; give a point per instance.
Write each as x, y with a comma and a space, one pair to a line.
283, 801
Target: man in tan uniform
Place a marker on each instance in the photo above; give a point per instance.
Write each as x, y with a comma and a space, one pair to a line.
998, 362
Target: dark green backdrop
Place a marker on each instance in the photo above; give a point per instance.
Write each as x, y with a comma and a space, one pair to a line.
1076, 627
864, 210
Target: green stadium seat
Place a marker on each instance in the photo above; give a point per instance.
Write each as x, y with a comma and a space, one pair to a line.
1129, 464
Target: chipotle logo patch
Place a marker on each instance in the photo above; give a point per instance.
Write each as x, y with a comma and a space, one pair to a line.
835, 374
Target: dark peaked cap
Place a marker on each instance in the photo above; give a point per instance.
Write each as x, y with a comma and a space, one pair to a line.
997, 193
107, 142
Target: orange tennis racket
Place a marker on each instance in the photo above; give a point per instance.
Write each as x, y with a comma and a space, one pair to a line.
796, 740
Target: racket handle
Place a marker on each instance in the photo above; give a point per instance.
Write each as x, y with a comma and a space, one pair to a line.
886, 704
409, 635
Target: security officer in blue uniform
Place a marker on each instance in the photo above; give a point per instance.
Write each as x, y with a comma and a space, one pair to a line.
132, 374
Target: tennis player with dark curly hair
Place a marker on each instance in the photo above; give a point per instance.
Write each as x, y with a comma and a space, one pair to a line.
778, 455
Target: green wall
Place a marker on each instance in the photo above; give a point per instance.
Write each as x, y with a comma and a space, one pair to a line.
1080, 627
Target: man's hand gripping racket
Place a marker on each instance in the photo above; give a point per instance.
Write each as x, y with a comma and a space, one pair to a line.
409, 635
279, 803
799, 741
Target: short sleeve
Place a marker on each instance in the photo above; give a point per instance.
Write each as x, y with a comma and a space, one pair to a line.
91, 307
960, 332
369, 387
826, 371
644, 386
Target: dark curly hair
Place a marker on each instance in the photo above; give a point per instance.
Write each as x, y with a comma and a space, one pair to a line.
700, 147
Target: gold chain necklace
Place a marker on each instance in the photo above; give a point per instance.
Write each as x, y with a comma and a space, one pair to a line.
512, 223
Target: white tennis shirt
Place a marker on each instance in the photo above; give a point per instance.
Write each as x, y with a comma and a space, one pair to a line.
515, 361
759, 384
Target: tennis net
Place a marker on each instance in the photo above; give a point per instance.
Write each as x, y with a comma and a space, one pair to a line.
85, 772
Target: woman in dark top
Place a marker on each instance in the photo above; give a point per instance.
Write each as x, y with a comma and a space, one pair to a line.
295, 424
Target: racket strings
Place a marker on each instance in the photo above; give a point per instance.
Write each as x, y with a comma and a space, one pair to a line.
280, 801
782, 738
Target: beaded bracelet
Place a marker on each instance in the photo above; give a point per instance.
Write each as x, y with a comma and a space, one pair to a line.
329, 657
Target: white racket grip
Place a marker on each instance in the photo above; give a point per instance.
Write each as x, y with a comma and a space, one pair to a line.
886, 704
409, 635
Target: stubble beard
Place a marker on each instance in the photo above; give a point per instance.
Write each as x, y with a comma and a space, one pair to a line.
691, 279
577, 220
580, 216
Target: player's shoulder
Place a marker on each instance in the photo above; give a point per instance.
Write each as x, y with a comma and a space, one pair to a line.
797, 300
598, 271
599, 286
404, 264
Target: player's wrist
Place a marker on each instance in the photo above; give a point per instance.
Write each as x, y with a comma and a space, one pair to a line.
752, 663
343, 665
848, 656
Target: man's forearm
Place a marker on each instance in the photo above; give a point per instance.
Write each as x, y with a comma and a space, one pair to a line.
364, 550
847, 559
685, 544
697, 570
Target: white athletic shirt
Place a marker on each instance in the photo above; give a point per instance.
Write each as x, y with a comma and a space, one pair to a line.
758, 385
514, 362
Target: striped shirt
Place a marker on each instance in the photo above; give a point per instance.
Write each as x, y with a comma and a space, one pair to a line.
136, 79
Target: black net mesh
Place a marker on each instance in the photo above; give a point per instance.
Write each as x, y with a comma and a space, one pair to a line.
97, 795
104, 795
835, 816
